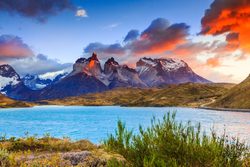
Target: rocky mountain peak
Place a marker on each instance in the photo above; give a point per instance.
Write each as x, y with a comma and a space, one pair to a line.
110, 65
8, 71
93, 57
90, 66
155, 72
8, 77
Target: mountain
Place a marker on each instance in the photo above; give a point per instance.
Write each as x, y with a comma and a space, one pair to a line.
89, 77
72, 85
156, 72
8, 78
121, 75
187, 95
37, 82
237, 97
85, 78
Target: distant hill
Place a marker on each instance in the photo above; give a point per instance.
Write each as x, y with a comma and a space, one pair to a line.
6, 102
188, 95
237, 97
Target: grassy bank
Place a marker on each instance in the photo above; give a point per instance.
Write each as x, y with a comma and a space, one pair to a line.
6, 102
165, 143
187, 95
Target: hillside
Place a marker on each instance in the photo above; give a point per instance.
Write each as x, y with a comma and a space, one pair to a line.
7, 103
189, 95
237, 97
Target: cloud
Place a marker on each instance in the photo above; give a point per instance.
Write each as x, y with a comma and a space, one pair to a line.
131, 36
39, 64
159, 37
213, 62
230, 17
115, 48
40, 10
81, 13
112, 26
12, 47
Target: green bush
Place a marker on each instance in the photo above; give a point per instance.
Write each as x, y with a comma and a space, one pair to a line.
168, 143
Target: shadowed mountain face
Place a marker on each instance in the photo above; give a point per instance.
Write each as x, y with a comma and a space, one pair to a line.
89, 77
237, 97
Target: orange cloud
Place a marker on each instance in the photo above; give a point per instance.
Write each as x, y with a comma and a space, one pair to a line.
160, 37
213, 62
229, 16
13, 47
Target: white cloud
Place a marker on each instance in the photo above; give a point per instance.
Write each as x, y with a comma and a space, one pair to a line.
37, 65
81, 13
111, 26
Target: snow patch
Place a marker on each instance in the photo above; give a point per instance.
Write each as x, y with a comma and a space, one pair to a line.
4, 81
171, 64
53, 75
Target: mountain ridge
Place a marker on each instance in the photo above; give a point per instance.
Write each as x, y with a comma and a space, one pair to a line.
88, 76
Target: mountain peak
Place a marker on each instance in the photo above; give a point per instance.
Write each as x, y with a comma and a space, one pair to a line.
110, 65
8, 76
155, 72
94, 57
8, 71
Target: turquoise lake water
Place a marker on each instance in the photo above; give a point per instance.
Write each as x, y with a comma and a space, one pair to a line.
94, 123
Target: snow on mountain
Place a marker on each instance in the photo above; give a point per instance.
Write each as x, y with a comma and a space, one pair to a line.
53, 75
8, 77
36, 82
156, 72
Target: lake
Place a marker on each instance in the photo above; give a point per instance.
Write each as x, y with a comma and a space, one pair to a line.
94, 123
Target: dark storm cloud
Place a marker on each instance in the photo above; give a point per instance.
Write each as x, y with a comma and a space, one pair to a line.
36, 9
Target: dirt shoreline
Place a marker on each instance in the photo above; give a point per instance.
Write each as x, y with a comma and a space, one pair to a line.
225, 109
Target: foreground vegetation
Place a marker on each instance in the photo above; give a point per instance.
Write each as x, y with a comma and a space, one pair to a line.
165, 143
188, 95
169, 143
31, 151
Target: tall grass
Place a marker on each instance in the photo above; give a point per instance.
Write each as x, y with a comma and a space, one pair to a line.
169, 143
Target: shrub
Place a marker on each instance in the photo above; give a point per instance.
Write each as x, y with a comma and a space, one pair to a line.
4, 158
168, 143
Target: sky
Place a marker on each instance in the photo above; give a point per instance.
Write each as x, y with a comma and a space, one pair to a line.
49, 35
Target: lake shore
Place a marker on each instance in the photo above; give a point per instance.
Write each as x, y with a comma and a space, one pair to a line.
225, 109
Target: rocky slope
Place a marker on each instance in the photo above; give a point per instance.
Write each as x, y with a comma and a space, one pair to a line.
237, 97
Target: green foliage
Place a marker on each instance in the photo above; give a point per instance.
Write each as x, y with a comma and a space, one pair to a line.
168, 143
